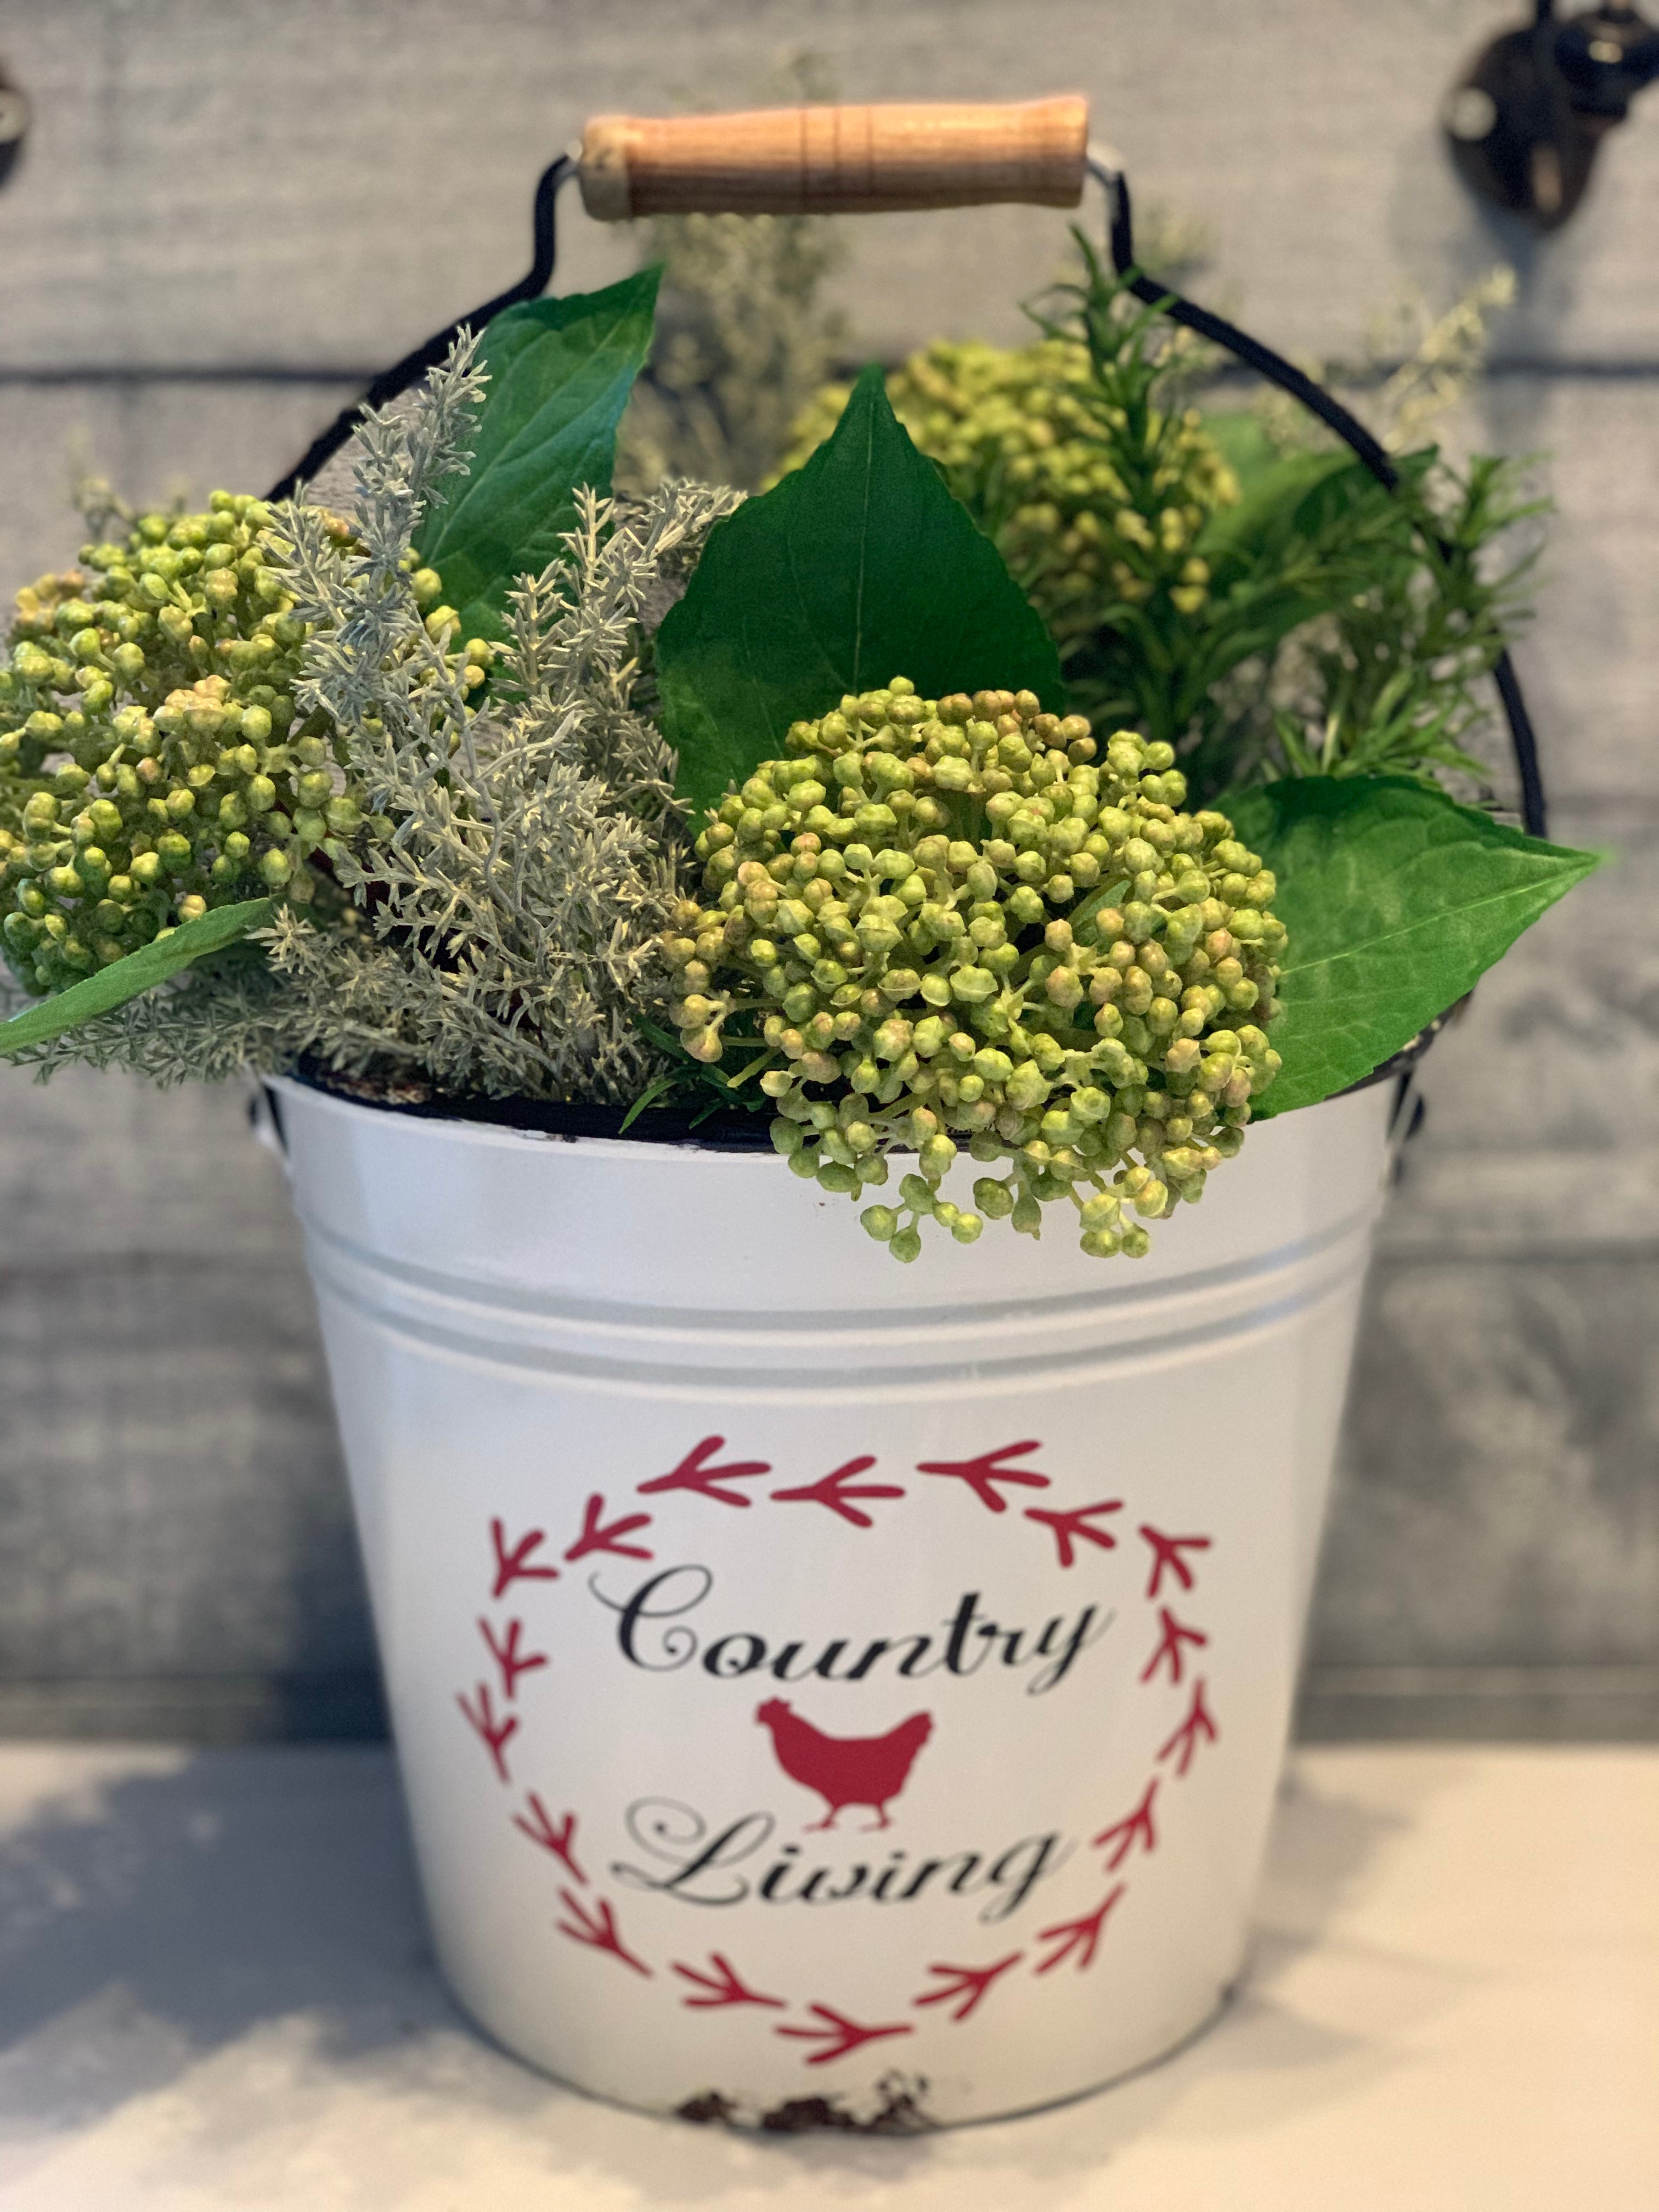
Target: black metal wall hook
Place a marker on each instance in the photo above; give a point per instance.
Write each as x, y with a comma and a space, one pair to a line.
14, 122
414, 366
1525, 120
1333, 415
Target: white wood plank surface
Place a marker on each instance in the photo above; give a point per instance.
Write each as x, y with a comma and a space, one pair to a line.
218, 1994
319, 183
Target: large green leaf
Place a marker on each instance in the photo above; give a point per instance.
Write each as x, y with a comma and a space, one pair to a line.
857, 568
1396, 900
140, 971
559, 375
1269, 496
1244, 443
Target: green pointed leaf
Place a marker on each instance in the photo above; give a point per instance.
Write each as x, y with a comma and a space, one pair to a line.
1270, 498
140, 971
858, 567
559, 375
1397, 901
1245, 446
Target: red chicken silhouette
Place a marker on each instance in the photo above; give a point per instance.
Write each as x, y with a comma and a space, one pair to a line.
859, 1770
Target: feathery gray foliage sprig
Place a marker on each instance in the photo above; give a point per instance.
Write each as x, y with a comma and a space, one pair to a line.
517, 909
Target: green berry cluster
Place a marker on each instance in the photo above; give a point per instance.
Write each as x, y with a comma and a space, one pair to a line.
1085, 505
154, 762
953, 920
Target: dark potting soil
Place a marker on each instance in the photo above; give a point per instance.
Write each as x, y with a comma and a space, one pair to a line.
728, 1129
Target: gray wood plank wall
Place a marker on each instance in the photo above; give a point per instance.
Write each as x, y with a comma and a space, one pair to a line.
229, 210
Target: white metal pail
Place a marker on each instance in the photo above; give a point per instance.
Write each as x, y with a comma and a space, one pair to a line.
826, 1688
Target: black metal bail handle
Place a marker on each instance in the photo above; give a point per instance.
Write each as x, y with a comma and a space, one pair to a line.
1335, 416
414, 366
1268, 363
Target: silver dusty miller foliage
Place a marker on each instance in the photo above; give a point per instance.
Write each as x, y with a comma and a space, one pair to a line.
505, 929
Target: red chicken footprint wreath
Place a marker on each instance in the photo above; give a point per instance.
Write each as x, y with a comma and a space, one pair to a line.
845, 1772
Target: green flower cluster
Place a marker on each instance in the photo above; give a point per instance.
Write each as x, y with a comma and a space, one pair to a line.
1085, 505
952, 920
154, 762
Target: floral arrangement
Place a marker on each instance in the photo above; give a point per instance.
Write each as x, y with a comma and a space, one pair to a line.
862, 803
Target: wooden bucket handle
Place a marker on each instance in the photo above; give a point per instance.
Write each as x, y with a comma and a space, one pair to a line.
836, 160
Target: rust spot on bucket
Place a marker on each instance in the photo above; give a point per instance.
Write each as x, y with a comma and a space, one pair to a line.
797, 2115
706, 2111
899, 2112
